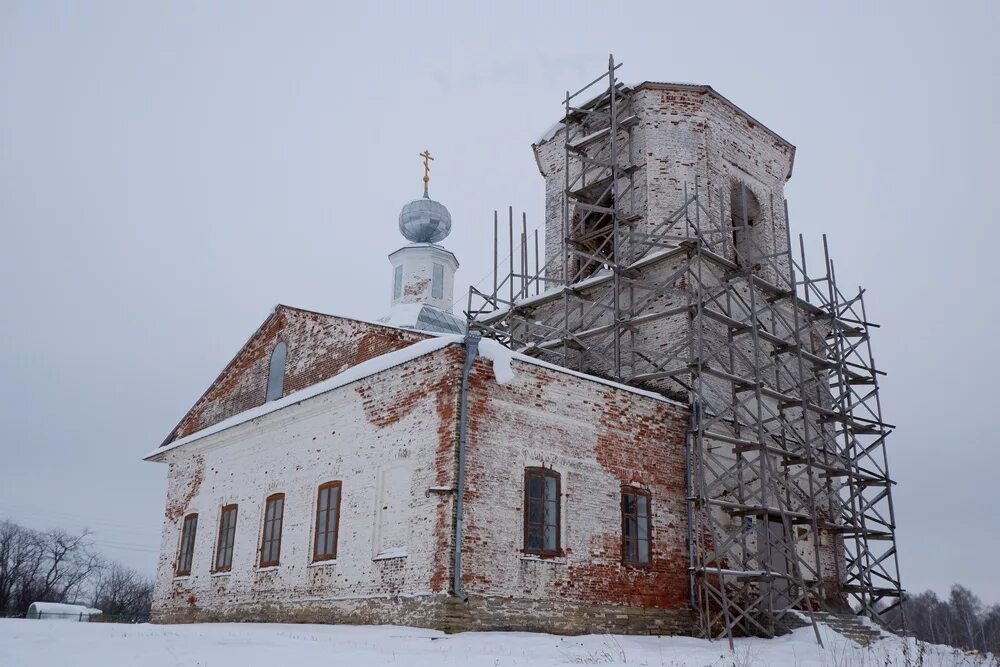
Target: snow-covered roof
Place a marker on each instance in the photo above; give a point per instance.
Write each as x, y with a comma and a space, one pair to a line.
503, 371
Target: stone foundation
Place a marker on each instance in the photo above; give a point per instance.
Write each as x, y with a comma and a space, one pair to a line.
451, 614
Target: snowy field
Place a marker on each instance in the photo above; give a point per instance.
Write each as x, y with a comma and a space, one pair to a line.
31, 643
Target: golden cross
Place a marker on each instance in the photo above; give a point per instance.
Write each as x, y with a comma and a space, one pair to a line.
426, 155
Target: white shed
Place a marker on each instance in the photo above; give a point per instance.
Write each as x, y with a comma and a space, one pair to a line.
57, 611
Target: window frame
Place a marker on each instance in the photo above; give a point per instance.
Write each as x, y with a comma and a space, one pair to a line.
543, 473
316, 556
626, 556
264, 540
226, 538
185, 554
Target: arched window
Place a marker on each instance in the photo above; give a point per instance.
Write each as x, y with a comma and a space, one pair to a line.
636, 533
276, 373
327, 521
186, 554
744, 212
274, 516
541, 511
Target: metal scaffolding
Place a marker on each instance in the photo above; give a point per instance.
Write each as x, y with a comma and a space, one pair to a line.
790, 498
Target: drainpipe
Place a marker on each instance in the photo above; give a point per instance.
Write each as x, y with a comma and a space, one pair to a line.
471, 350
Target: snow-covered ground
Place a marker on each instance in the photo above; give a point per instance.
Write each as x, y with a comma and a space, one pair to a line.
30, 643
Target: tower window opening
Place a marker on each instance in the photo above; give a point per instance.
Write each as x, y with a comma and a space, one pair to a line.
397, 282
276, 373
592, 234
437, 282
744, 213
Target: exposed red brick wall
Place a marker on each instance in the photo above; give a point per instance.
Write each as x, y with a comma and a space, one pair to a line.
644, 449
319, 347
598, 439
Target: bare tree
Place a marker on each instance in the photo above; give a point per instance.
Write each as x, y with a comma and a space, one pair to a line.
60, 565
50, 566
121, 591
960, 620
20, 558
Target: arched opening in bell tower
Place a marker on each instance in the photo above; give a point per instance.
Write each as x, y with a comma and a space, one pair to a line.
744, 210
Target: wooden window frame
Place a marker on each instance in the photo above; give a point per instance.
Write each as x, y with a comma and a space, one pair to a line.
186, 551
626, 556
543, 473
223, 539
263, 533
318, 557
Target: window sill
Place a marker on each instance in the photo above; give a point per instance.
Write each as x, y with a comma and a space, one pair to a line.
638, 566
323, 563
180, 577
267, 568
555, 560
221, 573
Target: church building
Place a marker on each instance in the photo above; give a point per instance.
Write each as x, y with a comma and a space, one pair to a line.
479, 472
318, 477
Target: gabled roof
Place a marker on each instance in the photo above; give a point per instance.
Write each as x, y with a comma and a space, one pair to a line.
277, 312
353, 374
491, 350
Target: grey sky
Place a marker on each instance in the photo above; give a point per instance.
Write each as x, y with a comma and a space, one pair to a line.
170, 171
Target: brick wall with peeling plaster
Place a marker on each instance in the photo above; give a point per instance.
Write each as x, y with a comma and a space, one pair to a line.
385, 428
319, 347
598, 439
682, 134
400, 426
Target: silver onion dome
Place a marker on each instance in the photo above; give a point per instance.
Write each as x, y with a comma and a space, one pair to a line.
425, 221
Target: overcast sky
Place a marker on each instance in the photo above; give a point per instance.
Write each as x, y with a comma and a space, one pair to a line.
171, 171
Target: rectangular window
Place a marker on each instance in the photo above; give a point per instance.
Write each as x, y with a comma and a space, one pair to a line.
437, 283
541, 511
327, 521
187, 544
270, 545
227, 537
635, 527
397, 282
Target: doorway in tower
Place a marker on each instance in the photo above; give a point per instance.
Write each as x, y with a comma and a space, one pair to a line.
744, 209
774, 542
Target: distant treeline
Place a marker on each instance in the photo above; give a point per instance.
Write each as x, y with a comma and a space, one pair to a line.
60, 566
961, 620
